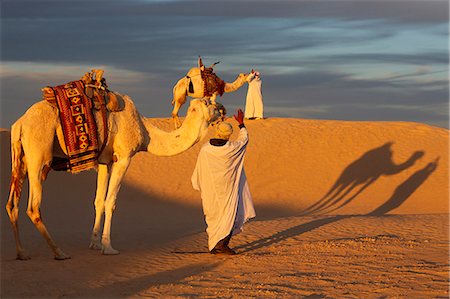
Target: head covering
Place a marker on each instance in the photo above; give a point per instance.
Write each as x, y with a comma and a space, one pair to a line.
224, 130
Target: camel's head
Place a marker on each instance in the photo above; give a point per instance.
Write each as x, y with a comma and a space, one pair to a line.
218, 111
212, 112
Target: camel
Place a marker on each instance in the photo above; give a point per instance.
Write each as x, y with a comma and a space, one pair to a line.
193, 85
35, 143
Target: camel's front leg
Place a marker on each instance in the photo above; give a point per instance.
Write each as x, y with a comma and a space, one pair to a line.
118, 170
99, 203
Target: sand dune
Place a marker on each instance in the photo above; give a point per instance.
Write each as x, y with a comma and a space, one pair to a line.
321, 190
292, 164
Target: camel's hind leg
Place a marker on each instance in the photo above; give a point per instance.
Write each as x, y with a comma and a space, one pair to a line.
34, 212
179, 98
176, 120
18, 174
118, 170
12, 207
99, 203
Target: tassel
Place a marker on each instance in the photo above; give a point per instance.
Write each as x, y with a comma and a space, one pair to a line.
191, 86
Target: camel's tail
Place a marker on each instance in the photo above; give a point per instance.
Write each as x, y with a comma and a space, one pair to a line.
18, 165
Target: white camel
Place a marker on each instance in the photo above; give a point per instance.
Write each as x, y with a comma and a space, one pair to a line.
193, 85
33, 149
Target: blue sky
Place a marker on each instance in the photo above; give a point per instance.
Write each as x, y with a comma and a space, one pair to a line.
347, 60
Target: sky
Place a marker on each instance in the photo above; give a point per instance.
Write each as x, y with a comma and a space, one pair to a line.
341, 60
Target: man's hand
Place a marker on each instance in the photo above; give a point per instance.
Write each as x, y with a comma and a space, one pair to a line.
239, 116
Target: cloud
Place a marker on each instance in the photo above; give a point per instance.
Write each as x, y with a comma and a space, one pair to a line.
51, 72
423, 58
393, 10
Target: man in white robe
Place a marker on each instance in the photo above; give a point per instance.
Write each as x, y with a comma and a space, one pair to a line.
220, 177
254, 107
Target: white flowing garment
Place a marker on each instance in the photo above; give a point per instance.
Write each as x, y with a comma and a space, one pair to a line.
220, 177
254, 106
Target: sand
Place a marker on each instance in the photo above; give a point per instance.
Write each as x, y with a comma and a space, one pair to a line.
382, 230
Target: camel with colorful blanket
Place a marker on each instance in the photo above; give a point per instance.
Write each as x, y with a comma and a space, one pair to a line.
38, 145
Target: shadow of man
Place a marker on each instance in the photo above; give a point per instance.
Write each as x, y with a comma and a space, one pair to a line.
289, 233
363, 172
406, 189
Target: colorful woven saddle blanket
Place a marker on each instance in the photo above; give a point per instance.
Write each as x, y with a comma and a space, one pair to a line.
212, 83
78, 125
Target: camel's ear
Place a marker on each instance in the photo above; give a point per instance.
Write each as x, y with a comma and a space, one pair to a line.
200, 62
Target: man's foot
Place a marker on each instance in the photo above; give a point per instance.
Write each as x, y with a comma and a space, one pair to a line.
225, 250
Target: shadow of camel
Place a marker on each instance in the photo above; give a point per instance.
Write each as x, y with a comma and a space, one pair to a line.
139, 284
358, 176
399, 196
404, 190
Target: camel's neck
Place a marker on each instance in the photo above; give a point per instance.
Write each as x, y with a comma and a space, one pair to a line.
235, 85
164, 143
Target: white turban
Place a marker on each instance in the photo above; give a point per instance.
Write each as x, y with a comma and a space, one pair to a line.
224, 130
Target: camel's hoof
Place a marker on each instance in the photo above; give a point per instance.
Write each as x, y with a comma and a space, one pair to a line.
95, 246
177, 124
60, 256
109, 251
22, 256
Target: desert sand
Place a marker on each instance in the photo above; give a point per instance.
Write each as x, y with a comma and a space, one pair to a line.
344, 210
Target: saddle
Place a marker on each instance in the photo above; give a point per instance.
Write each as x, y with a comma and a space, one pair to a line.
211, 82
75, 102
96, 89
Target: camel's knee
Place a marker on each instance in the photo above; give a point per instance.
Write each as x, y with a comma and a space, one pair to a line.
110, 207
13, 212
34, 216
9, 207
99, 202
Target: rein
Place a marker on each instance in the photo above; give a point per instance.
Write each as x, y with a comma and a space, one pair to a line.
103, 112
